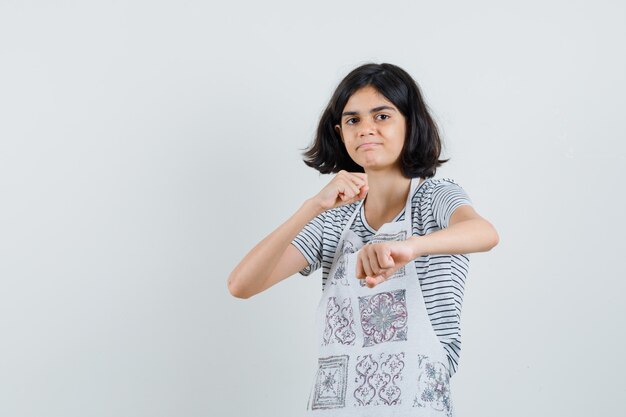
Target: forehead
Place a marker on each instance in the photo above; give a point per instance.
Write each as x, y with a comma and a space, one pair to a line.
365, 98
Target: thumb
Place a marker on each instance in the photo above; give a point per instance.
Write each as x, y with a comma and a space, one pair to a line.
388, 260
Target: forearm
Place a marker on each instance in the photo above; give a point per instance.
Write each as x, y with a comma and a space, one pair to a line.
468, 236
250, 274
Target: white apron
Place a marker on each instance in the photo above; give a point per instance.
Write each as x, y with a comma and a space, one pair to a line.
378, 353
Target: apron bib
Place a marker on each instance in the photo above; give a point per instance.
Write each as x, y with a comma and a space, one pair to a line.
378, 353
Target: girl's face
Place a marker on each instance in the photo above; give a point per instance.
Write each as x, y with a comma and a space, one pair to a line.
373, 130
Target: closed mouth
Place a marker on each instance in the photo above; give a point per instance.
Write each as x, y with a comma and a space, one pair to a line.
368, 143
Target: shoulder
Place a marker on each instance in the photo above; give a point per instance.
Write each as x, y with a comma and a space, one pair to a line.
445, 196
335, 219
337, 214
436, 185
440, 191
430, 185
442, 182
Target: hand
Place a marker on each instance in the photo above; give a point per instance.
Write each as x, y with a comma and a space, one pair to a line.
345, 188
378, 261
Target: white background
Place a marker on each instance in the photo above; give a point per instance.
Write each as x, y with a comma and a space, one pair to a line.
145, 147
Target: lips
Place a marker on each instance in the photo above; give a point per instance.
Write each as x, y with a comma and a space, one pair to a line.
368, 145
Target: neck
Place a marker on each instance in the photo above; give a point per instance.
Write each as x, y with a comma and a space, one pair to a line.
387, 191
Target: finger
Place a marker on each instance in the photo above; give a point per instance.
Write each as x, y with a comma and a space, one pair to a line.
363, 192
344, 191
360, 273
356, 178
380, 279
349, 188
384, 258
366, 265
359, 182
355, 187
360, 175
356, 198
371, 282
373, 260
350, 177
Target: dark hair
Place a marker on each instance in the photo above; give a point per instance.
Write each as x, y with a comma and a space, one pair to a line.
422, 145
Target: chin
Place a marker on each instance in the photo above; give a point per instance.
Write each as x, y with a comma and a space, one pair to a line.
373, 164
375, 167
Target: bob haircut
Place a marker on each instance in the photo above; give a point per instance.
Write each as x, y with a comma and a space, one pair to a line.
422, 145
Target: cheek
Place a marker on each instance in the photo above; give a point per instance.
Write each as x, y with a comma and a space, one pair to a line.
398, 133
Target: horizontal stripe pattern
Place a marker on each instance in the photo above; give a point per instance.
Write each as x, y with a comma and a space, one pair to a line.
442, 277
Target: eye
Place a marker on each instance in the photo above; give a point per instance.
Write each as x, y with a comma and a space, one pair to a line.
349, 121
383, 115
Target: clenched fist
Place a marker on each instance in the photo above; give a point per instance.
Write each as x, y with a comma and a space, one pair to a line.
345, 188
378, 261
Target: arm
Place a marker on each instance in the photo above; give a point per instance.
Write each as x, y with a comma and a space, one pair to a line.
274, 258
467, 232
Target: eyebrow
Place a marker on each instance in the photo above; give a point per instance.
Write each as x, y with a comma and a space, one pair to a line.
374, 110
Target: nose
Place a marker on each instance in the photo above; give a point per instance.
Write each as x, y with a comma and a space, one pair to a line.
367, 127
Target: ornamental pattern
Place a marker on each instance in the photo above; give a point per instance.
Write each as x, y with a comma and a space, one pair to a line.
433, 386
377, 376
340, 275
331, 383
339, 326
383, 317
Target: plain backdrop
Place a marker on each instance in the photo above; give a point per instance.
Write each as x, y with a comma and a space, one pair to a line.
146, 147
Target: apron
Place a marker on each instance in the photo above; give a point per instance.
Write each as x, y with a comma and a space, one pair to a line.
378, 353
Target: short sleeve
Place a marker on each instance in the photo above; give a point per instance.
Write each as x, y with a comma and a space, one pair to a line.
309, 243
446, 196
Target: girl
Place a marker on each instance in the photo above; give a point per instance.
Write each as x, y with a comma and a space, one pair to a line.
392, 242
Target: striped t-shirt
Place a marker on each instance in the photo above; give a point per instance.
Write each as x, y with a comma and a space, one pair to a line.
442, 277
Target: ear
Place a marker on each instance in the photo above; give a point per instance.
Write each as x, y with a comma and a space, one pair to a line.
338, 130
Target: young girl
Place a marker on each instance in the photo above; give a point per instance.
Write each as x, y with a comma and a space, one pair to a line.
392, 242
